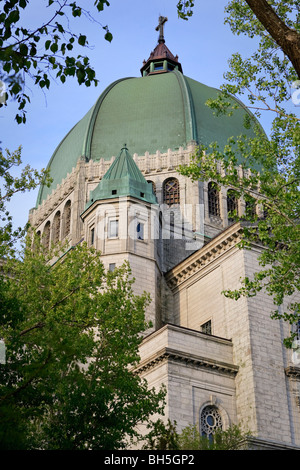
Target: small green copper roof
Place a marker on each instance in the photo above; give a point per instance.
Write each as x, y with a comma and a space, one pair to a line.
123, 178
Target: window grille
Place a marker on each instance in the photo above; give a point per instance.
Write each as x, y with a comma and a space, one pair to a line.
250, 207
210, 421
213, 200
67, 218
56, 227
46, 235
171, 192
232, 205
206, 327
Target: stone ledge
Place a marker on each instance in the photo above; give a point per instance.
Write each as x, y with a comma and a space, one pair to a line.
255, 443
169, 354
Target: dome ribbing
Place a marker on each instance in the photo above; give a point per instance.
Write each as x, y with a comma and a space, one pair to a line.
156, 112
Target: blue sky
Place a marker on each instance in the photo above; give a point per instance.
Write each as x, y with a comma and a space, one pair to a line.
204, 45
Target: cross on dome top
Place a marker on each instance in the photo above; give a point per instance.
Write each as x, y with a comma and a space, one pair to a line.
161, 21
161, 59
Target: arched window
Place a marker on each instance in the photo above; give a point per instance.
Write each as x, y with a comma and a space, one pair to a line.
56, 227
36, 240
250, 209
46, 235
232, 205
213, 200
67, 219
171, 191
265, 211
210, 421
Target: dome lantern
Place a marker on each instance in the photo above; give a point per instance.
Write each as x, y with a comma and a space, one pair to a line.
161, 60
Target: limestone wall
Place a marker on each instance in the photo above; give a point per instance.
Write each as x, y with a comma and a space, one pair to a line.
197, 369
265, 400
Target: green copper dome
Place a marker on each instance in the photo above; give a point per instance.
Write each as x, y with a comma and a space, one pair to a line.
159, 111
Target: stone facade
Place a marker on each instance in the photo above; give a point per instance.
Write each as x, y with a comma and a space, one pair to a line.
264, 400
212, 353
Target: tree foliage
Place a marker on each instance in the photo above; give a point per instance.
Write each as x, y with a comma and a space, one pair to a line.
232, 438
270, 169
72, 333
45, 52
12, 184
277, 20
164, 436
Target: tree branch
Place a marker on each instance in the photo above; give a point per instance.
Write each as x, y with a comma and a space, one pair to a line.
287, 39
28, 382
34, 327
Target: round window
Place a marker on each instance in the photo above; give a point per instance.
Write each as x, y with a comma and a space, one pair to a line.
210, 420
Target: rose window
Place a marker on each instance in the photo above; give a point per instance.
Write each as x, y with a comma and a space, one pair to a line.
210, 421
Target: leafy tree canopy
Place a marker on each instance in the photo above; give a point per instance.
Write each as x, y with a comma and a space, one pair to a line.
72, 333
45, 52
11, 184
165, 436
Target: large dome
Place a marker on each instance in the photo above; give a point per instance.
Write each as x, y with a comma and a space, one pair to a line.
159, 111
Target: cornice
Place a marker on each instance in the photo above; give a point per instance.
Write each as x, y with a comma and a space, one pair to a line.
170, 355
222, 243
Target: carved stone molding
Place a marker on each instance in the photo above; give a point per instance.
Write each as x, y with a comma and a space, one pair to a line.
211, 251
168, 354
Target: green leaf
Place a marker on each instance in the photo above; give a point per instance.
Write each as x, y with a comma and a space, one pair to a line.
22, 3
108, 36
82, 40
54, 47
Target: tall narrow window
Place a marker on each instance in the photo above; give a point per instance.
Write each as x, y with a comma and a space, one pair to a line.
232, 205
67, 218
92, 236
46, 235
140, 231
112, 267
250, 210
153, 186
36, 240
265, 212
56, 227
113, 231
171, 191
213, 200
